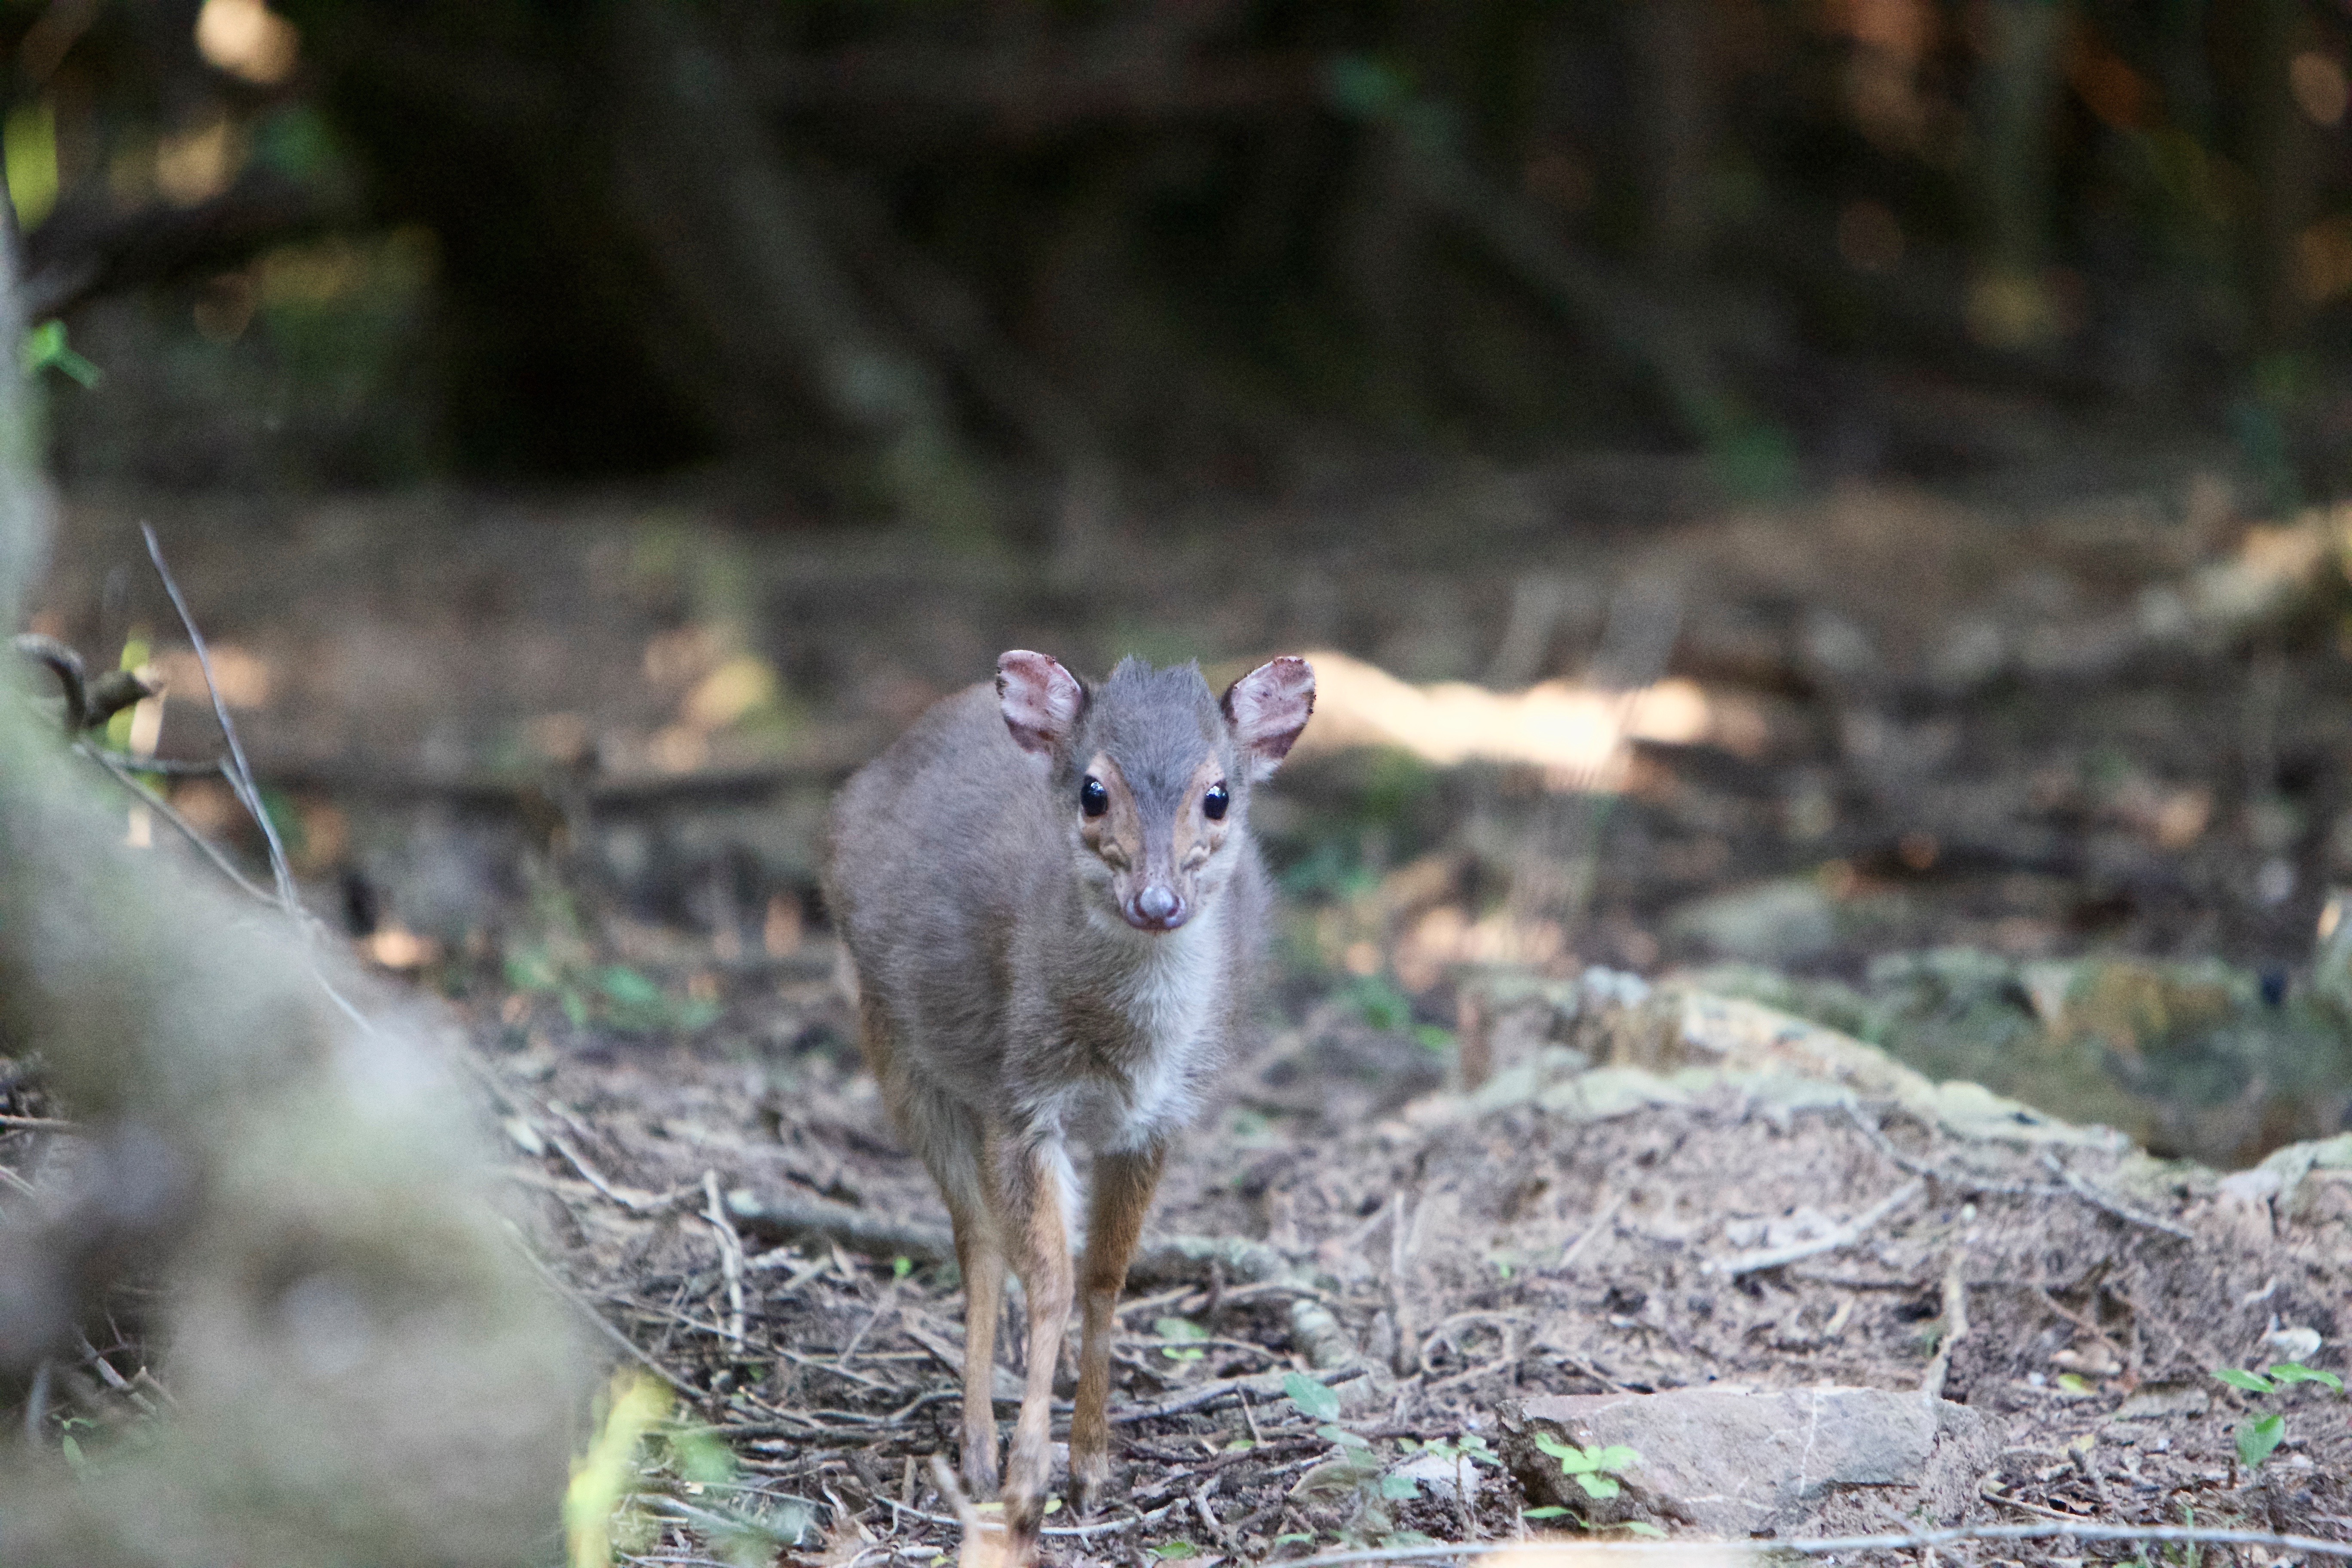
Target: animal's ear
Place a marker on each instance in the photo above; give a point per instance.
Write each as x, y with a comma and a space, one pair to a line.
1041, 700
1267, 707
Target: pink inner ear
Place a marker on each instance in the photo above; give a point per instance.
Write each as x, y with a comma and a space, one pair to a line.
1041, 701
1269, 706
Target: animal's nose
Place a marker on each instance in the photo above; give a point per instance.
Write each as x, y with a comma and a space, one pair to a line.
1158, 904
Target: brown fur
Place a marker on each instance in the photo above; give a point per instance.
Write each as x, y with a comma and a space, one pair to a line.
1031, 977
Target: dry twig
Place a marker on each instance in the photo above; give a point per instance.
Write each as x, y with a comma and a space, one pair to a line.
1838, 1236
731, 1256
1956, 1327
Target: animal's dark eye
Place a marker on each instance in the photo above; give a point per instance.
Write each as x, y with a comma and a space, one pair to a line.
1093, 799
1213, 804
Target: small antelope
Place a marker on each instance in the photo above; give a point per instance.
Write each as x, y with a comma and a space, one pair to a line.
1056, 914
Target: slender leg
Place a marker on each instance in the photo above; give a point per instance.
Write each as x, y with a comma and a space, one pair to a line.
979, 1252
1123, 1184
954, 1147
1031, 1180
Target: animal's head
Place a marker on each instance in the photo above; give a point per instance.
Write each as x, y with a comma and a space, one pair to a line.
1154, 770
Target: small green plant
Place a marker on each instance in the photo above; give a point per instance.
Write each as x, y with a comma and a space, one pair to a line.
1186, 1334
45, 348
2259, 1438
1596, 1470
1309, 1398
1381, 1003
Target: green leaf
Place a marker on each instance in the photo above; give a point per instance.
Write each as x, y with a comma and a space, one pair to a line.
1289, 1537
1168, 1549
1571, 1457
901, 1267
1313, 1400
2252, 1382
2296, 1372
1398, 1488
72, 1451
45, 349
1616, 1458
1599, 1486
627, 987
1550, 1510
1341, 1436
2073, 1382
1642, 1527
2258, 1437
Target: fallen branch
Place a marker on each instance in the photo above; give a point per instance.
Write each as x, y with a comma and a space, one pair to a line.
2091, 1195
1837, 1237
1264, 1385
1956, 1328
88, 703
1824, 1546
1175, 1259
89, 248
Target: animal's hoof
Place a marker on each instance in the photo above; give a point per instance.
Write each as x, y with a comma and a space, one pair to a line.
1024, 1516
1089, 1481
980, 1471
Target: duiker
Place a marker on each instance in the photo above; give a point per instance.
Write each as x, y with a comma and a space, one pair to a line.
1056, 916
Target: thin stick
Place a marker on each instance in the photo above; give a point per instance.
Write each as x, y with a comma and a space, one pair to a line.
39, 1123
1264, 1383
239, 774
1991, 1493
1966, 1182
730, 1256
1600, 1222
1824, 1546
1956, 1328
162, 807
2091, 1195
1403, 1233
1839, 1237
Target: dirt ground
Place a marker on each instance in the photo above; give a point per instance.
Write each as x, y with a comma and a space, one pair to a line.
2098, 728
1549, 1244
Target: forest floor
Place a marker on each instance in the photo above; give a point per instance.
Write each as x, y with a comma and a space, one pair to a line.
2048, 795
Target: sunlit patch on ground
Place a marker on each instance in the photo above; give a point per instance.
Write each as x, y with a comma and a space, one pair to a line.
1576, 734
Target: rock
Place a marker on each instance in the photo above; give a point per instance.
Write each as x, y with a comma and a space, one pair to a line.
1770, 922
1440, 1477
1733, 1463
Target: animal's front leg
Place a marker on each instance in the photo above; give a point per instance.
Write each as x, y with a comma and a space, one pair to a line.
1123, 1192
1032, 1176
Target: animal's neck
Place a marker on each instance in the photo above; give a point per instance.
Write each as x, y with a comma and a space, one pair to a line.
1164, 984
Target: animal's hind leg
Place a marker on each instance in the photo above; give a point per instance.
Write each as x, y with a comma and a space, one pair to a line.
951, 1142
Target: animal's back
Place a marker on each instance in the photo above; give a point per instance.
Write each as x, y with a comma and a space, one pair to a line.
938, 845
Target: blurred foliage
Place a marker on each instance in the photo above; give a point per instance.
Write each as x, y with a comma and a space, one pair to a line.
1188, 240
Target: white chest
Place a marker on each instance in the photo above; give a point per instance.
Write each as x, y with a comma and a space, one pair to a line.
1171, 998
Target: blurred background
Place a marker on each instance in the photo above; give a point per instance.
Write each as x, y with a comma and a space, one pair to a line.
1837, 493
